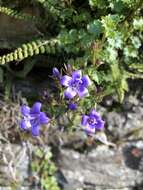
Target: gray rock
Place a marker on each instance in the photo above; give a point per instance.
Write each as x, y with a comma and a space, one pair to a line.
102, 168
14, 164
21, 188
127, 121
13, 32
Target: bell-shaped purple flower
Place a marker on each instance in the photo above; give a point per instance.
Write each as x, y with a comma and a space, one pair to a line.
72, 106
76, 85
33, 118
92, 122
56, 73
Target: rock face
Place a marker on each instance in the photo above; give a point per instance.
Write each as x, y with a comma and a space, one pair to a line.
103, 168
14, 163
14, 32
128, 121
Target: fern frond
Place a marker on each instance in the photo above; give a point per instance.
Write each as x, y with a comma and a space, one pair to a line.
136, 66
30, 49
17, 15
54, 7
134, 75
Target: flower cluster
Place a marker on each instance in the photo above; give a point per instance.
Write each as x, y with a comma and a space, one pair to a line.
76, 88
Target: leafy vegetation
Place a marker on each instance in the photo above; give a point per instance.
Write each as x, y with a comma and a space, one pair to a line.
43, 167
103, 38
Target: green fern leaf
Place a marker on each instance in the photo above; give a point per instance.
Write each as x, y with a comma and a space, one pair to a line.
30, 49
17, 15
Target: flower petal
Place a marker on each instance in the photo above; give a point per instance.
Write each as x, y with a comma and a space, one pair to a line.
86, 81
94, 113
70, 93
35, 130
43, 118
25, 124
56, 72
82, 91
76, 74
65, 80
72, 106
100, 124
84, 120
90, 129
36, 108
25, 110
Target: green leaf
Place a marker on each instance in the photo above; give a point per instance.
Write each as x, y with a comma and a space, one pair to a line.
95, 28
94, 76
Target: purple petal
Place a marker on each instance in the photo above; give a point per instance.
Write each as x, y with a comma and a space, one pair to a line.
76, 74
25, 110
82, 91
94, 113
100, 125
90, 129
56, 72
70, 93
36, 108
65, 80
35, 130
25, 124
86, 81
84, 120
43, 118
72, 106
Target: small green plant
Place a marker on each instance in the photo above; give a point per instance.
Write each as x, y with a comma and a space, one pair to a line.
44, 168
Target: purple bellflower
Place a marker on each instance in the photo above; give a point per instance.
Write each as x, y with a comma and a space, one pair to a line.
72, 106
76, 84
92, 122
56, 73
33, 118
